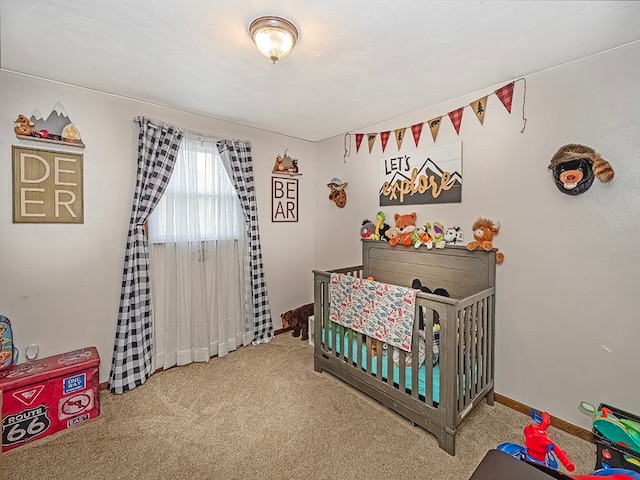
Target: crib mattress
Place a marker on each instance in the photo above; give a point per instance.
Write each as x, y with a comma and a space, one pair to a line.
343, 344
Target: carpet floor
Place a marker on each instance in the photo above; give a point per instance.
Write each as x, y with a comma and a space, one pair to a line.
263, 412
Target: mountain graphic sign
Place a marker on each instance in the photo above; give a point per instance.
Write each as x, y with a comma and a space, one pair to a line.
428, 176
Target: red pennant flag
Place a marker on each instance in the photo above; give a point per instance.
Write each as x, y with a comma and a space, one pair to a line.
416, 130
505, 94
384, 136
359, 137
456, 118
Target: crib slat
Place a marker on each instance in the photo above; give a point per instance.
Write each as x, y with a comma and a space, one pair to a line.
379, 360
428, 358
460, 339
389, 365
402, 370
483, 345
469, 367
474, 359
369, 357
480, 337
415, 351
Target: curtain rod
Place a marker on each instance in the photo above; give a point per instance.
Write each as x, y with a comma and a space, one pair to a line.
195, 134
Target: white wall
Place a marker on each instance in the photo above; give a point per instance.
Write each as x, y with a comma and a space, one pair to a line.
567, 316
60, 283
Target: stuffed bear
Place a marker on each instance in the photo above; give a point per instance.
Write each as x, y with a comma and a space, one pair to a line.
405, 224
483, 232
298, 320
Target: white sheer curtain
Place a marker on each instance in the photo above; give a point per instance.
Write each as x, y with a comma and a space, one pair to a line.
198, 265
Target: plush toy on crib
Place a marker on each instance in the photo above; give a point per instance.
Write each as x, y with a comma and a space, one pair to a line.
452, 235
367, 229
483, 232
298, 320
421, 236
438, 235
405, 224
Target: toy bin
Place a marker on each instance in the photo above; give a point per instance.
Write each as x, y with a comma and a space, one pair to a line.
45, 396
613, 454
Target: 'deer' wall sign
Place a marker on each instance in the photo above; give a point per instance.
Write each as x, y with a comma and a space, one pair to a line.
47, 186
432, 175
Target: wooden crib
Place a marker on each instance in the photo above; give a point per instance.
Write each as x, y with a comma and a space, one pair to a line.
462, 377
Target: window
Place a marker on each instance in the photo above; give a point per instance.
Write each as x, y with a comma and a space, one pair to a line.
200, 203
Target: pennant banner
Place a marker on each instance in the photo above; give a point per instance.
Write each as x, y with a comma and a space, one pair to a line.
479, 108
456, 118
416, 130
400, 136
434, 125
505, 94
372, 139
384, 137
359, 137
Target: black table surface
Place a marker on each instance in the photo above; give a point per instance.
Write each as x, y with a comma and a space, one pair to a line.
497, 465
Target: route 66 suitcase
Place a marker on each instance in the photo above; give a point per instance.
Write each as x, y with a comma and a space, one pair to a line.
47, 395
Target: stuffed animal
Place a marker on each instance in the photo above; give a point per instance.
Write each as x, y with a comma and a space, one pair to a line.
379, 223
387, 232
367, 229
23, 126
405, 224
298, 320
338, 195
483, 232
421, 236
452, 235
573, 168
438, 235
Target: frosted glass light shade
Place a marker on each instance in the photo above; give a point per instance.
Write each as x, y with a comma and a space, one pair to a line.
274, 36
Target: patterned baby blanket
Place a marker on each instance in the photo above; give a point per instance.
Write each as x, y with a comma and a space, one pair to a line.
379, 310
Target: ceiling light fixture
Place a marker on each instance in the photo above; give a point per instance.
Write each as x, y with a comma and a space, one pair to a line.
274, 36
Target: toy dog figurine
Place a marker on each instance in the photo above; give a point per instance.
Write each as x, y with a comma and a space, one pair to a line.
298, 320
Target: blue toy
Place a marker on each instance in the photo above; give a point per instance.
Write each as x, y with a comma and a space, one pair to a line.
540, 449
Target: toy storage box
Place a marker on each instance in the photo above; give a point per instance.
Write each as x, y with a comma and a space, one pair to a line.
45, 396
614, 455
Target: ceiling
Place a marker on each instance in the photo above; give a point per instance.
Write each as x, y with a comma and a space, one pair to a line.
357, 62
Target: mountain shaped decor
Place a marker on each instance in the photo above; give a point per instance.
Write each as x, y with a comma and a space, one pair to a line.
285, 165
56, 128
428, 176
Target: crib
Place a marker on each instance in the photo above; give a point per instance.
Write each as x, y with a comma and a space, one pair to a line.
441, 392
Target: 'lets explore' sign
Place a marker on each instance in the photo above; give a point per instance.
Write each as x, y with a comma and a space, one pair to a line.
432, 175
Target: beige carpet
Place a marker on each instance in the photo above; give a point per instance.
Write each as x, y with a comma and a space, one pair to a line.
263, 413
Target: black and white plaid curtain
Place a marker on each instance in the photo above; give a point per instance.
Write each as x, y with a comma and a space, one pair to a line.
239, 156
133, 349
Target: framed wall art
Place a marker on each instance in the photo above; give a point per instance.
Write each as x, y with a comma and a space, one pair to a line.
284, 199
47, 186
428, 176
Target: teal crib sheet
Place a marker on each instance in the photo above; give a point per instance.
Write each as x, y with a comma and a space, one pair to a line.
343, 345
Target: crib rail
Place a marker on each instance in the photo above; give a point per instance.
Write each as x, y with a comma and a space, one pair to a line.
465, 364
475, 350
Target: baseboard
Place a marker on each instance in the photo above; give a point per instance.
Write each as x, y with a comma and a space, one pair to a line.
556, 422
